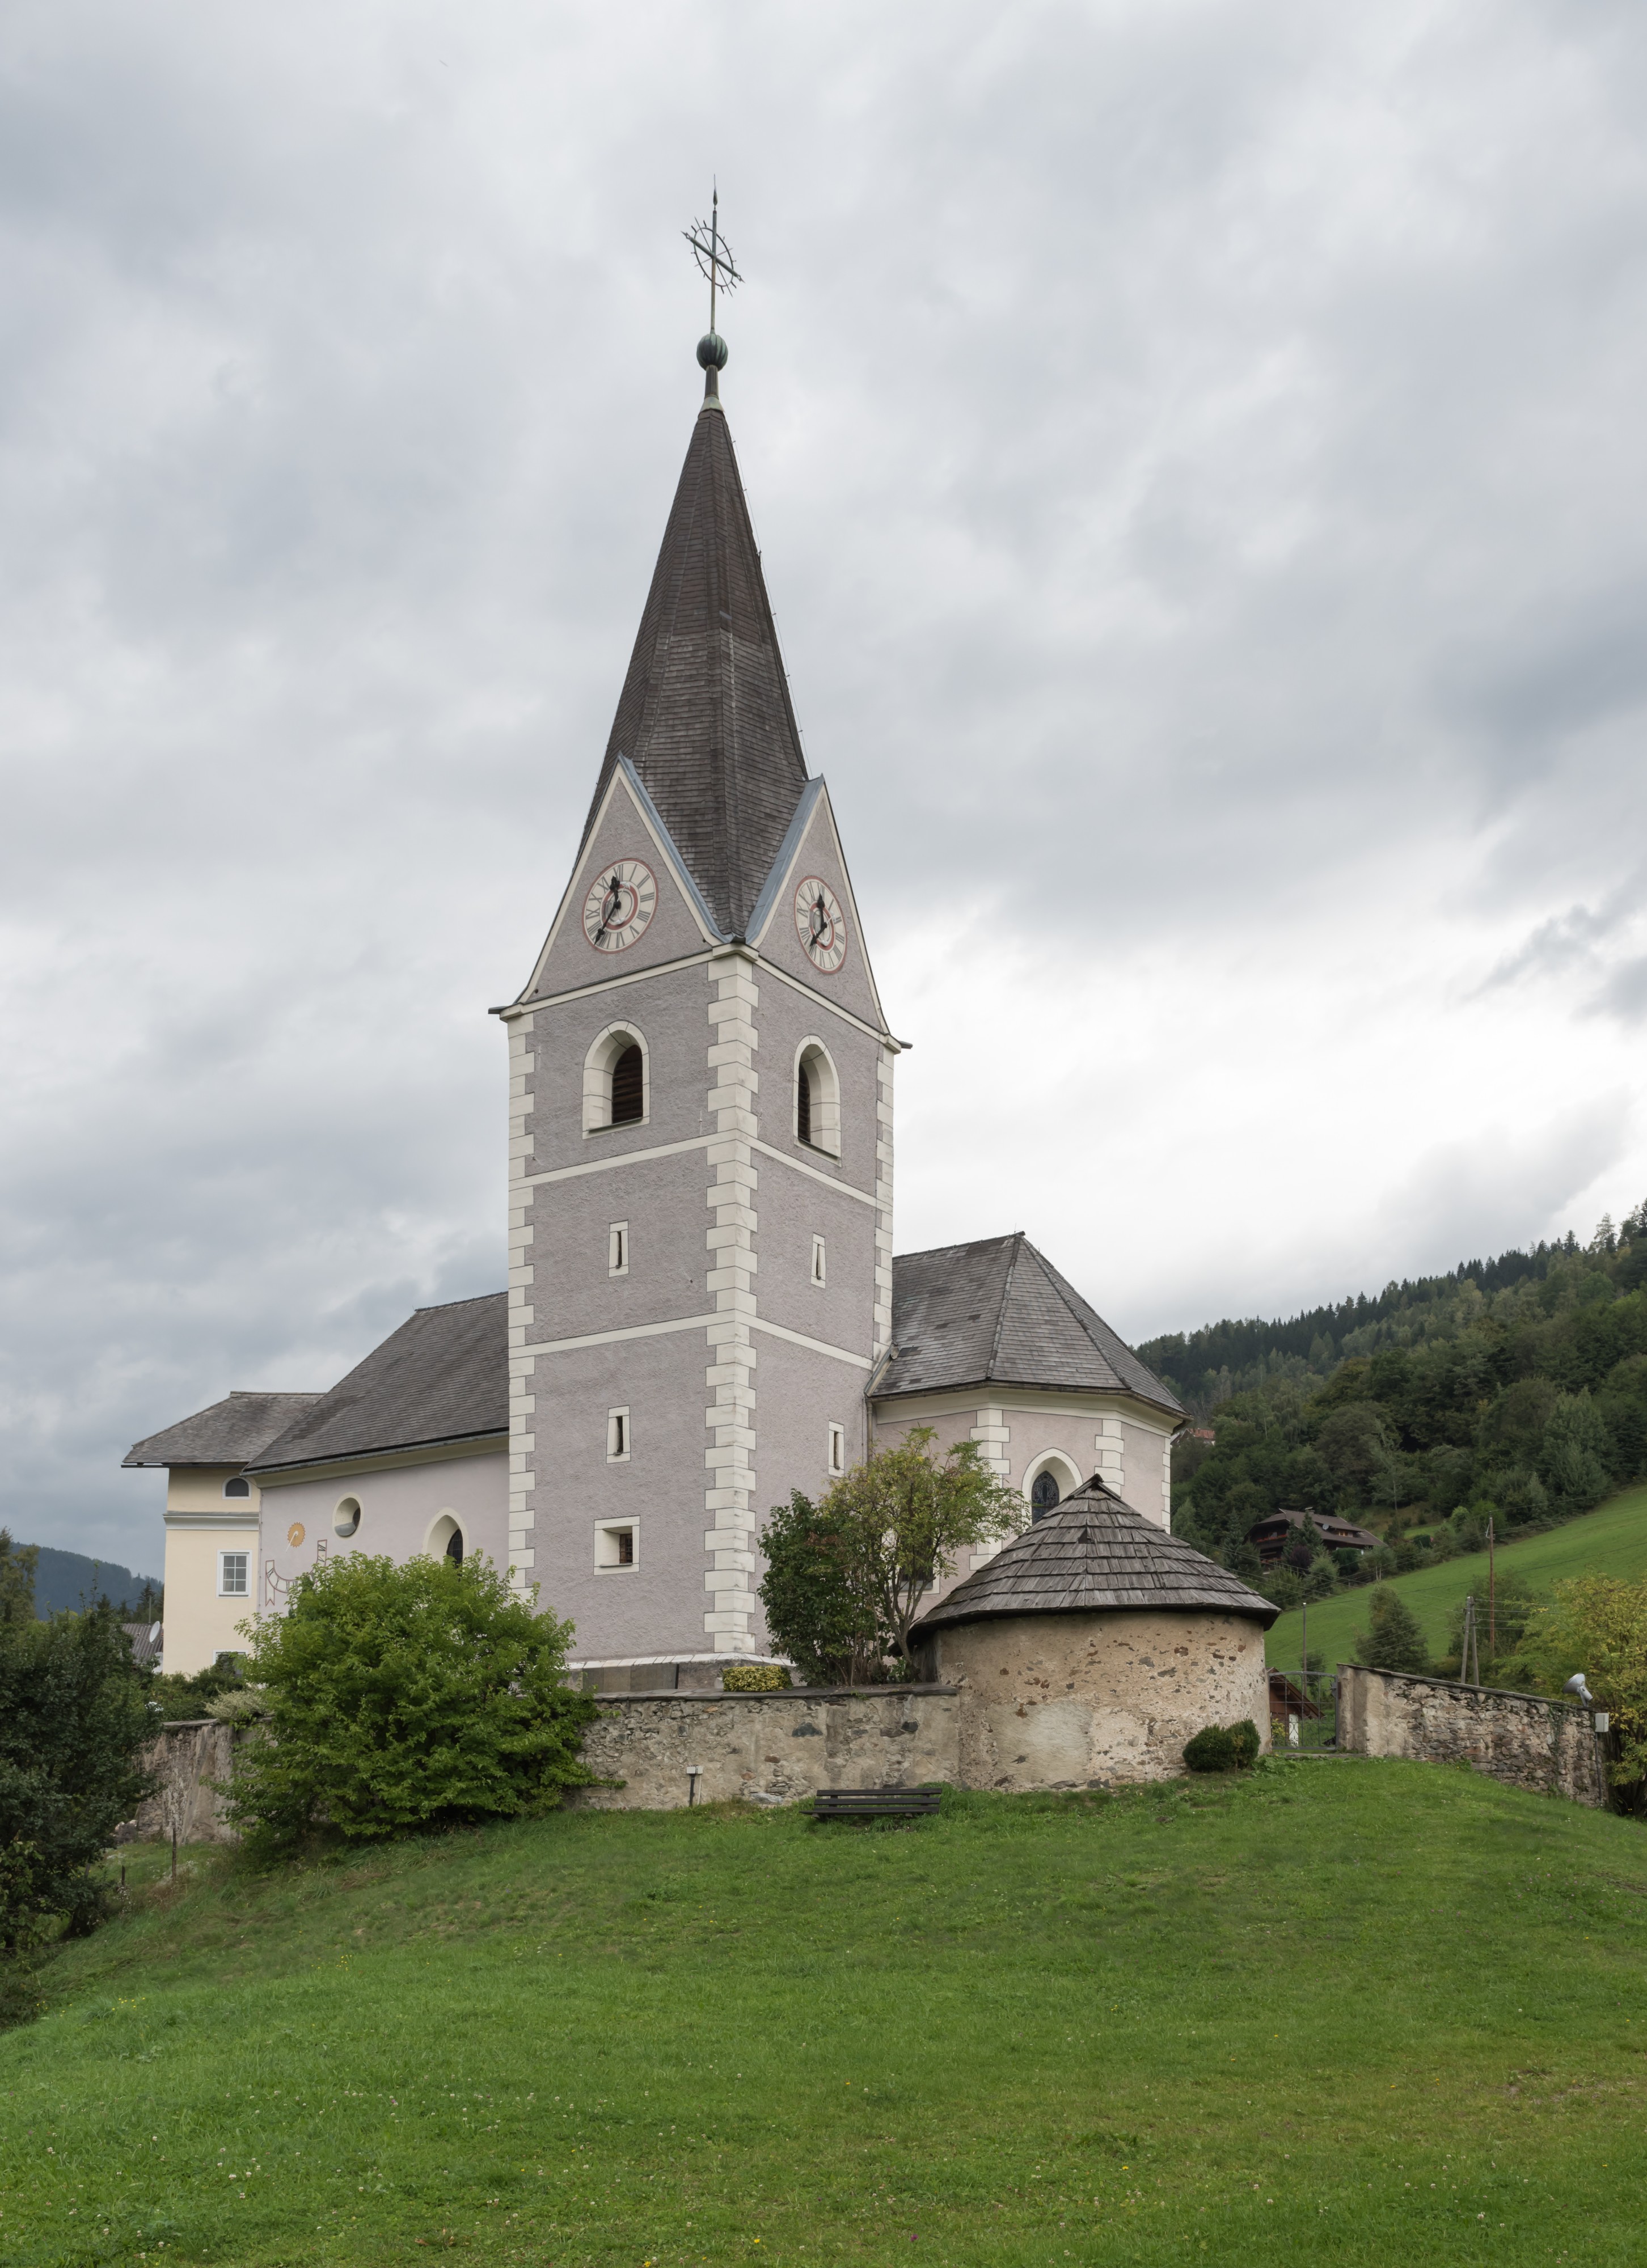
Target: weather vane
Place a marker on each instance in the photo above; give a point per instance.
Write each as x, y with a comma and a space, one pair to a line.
714, 256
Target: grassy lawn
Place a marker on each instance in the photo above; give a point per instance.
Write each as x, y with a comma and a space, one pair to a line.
1376, 2013
1610, 1540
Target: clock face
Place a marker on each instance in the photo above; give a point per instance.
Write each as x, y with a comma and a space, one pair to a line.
820, 924
622, 900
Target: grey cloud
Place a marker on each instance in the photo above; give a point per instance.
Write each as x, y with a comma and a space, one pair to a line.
1196, 447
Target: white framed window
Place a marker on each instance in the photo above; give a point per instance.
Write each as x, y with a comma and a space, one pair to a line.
617, 1437
617, 1249
837, 1448
616, 1080
816, 1099
819, 1275
445, 1539
616, 1543
234, 1577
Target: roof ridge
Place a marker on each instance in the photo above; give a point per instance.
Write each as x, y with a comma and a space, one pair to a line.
437, 1307
1006, 1294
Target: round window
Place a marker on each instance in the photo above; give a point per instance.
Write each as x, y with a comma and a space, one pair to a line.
346, 1519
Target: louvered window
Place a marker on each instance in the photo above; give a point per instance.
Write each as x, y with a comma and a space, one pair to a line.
803, 1104
628, 1088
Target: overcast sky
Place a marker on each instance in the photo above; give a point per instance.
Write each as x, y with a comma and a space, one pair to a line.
1198, 450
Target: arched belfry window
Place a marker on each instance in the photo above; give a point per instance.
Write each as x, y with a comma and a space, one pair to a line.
616, 1080
629, 1088
817, 1099
238, 1486
1044, 1495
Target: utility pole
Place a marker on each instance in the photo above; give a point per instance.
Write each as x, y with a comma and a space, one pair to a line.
1492, 1595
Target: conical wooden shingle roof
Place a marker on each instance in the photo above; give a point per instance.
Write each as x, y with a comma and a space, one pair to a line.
705, 715
1094, 1555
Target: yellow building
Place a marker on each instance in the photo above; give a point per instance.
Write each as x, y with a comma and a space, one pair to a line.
212, 1509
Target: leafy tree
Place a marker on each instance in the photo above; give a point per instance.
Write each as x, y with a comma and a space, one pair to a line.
18, 1562
403, 1696
1354, 1443
829, 1629
903, 1515
1393, 1639
1573, 1455
74, 1727
1599, 1626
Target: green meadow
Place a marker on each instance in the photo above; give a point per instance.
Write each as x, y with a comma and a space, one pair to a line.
1610, 1540
1376, 2013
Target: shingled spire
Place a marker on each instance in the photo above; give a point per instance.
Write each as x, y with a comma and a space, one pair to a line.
705, 715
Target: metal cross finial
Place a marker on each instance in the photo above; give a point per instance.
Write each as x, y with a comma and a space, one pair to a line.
713, 254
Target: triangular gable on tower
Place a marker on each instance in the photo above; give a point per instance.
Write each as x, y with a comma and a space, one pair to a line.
705, 716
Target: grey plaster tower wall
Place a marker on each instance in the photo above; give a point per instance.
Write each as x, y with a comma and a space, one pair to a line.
698, 1295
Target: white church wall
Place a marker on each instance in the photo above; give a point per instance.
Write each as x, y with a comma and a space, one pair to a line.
399, 1504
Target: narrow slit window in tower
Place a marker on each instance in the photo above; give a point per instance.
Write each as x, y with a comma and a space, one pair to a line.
803, 1104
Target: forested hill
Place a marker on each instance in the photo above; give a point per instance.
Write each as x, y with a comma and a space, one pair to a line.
1206, 1366
1511, 1391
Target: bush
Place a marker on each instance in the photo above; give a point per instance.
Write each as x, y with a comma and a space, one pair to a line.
1393, 1640
397, 1697
1224, 1748
755, 1677
74, 1727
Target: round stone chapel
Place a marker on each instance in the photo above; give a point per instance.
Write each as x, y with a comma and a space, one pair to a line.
1092, 1647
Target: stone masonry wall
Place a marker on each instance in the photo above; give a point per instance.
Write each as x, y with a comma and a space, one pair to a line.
188, 1757
1082, 1700
1523, 1739
771, 1748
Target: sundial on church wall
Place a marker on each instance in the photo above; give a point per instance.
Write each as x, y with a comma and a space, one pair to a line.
622, 900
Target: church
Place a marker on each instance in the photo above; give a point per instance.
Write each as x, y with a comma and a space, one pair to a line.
703, 1309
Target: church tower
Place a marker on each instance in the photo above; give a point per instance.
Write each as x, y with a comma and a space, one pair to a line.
700, 1147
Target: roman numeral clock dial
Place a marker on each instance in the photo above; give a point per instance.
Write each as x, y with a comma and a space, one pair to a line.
820, 924
622, 900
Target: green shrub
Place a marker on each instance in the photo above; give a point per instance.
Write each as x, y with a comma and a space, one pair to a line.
406, 1696
1247, 1742
1212, 1749
755, 1677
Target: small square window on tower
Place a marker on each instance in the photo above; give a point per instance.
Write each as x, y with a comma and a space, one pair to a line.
617, 1437
617, 1249
616, 1543
818, 1275
837, 1448
232, 1568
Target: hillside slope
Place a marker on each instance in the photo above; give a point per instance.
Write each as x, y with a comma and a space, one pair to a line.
1378, 2013
1611, 1540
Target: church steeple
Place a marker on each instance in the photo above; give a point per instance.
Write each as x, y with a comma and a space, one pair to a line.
705, 715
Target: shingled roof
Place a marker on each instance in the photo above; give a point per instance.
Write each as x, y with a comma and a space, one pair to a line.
705, 715
442, 1377
1092, 1555
228, 1434
998, 1312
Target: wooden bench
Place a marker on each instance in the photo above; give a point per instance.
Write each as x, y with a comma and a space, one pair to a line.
875, 1802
